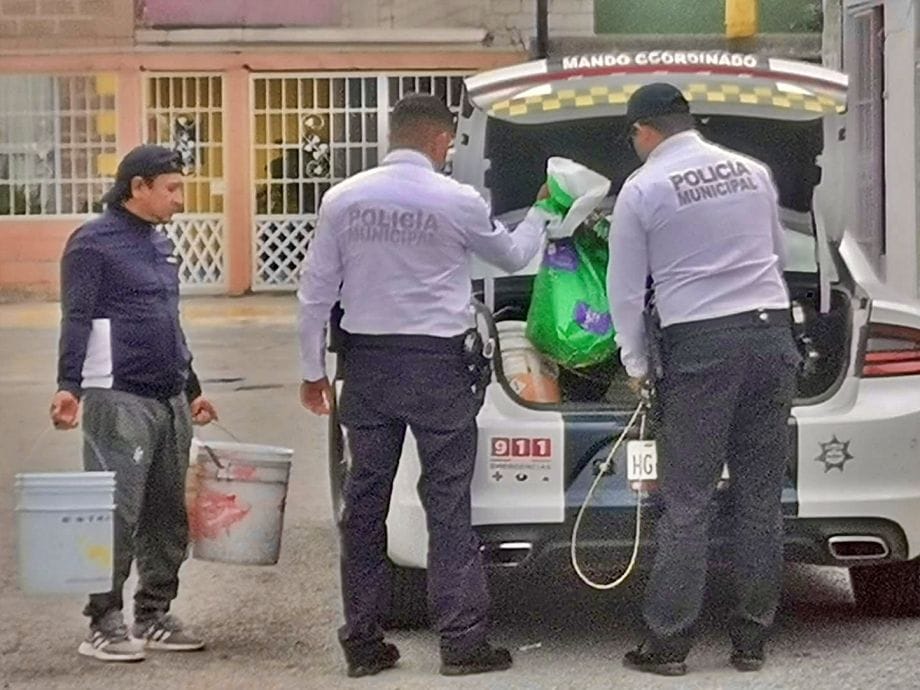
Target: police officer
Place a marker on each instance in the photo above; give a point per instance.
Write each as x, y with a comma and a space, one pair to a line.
393, 244
124, 356
703, 222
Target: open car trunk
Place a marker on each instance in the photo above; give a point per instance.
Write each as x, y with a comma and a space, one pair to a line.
516, 154
822, 338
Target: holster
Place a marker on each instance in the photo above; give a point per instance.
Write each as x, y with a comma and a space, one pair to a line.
478, 366
654, 345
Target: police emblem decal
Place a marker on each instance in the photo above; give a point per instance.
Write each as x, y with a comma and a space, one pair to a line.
835, 454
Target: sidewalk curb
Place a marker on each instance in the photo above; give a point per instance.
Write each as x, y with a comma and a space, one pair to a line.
278, 310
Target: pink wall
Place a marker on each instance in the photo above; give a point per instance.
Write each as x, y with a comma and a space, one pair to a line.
241, 12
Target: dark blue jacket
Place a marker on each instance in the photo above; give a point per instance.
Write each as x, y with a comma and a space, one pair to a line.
120, 311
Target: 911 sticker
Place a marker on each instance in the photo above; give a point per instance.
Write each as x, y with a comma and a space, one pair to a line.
503, 447
519, 476
521, 458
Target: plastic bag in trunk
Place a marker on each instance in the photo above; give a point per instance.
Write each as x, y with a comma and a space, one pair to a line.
569, 317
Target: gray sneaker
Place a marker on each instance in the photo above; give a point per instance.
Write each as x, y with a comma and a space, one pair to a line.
108, 640
166, 634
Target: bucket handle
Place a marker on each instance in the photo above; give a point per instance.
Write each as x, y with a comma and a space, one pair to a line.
212, 456
225, 430
87, 437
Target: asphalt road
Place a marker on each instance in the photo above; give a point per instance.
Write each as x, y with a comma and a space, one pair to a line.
275, 627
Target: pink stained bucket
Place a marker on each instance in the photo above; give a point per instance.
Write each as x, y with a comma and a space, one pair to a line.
236, 496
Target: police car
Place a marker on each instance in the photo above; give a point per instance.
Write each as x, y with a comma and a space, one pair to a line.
852, 494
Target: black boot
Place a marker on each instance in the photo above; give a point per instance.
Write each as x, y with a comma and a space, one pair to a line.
658, 662
371, 660
748, 658
483, 659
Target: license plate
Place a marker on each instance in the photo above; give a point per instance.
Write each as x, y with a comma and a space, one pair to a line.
642, 462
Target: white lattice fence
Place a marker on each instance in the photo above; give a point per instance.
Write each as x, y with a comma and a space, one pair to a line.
282, 244
311, 132
199, 241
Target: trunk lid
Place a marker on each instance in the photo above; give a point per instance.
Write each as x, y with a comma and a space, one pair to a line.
778, 111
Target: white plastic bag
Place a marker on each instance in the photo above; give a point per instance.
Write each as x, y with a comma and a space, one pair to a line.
575, 191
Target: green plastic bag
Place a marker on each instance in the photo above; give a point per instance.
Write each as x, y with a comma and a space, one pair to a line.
569, 317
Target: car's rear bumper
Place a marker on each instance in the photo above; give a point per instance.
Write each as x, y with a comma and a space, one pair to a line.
606, 541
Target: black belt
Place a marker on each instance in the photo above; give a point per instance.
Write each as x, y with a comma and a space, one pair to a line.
419, 343
758, 318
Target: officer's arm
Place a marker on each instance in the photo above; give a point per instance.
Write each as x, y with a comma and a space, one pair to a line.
627, 272
319, 290
81, 278
779, 232
490, 239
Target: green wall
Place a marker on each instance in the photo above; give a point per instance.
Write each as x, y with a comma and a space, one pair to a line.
700, 16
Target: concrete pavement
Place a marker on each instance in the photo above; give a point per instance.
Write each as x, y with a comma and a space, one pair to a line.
275, 627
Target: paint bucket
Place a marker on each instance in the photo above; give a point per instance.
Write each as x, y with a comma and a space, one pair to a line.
64, 525
531, 375
236, 501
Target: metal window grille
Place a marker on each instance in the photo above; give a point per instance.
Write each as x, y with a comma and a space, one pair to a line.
310, 132
57, 143
185, 112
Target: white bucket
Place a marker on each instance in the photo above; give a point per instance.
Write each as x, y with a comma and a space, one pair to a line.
531, 375
236, 511
64, 524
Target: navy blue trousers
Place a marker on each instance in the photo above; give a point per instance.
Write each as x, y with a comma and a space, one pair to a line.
725, 397
392, 383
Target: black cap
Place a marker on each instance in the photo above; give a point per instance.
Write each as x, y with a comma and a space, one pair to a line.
147, 160
655, 100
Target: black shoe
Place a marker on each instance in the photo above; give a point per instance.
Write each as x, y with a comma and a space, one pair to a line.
483, 659
655, 662
748, 659
371, 662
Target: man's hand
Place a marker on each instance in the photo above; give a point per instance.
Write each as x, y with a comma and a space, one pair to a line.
203, 411
638, 385
316, 396
65, 407
543, 193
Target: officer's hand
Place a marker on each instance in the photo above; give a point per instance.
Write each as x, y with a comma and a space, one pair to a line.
543, 193
203, 411
316, 396
64, 410
637, 385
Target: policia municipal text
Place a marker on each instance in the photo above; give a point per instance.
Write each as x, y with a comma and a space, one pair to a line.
392, 245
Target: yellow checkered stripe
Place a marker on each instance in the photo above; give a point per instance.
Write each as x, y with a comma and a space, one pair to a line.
711, 93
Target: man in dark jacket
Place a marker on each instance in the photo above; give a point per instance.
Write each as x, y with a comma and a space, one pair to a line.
124, 355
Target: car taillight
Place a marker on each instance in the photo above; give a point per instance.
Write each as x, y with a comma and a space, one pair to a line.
892, 351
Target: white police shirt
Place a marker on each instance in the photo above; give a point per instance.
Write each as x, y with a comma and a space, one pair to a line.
703, 222
394, 245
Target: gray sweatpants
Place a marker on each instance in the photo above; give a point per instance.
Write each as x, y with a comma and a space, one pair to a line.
146, 443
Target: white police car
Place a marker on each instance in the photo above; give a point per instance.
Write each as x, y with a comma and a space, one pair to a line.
852, 495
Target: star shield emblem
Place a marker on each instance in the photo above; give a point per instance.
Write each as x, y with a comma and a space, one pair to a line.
835, 454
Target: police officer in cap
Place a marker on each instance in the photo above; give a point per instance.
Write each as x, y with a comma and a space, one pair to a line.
393, 244
703, 222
